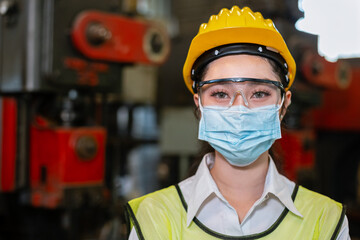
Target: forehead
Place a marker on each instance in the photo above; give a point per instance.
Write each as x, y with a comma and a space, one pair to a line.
240, 66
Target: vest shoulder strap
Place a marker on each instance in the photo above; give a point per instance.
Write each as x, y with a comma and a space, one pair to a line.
151, 206
328, 213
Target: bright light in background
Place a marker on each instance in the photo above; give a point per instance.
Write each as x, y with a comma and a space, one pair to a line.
336, 22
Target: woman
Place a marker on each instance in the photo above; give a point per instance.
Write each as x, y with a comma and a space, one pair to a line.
240, 70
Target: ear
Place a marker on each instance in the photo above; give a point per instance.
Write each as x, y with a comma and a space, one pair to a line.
287, 102
196, 99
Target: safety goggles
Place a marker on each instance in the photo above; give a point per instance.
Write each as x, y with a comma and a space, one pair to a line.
222, 93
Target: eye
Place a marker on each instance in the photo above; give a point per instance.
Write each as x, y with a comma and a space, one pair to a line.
219, 94
260, 94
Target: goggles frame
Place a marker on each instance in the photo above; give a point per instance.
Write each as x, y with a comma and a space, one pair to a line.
239, 80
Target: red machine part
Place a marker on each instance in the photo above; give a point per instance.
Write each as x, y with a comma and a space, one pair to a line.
330, 75
296, 150
64, 158
340, 108
87, 72
110, 37
8, 144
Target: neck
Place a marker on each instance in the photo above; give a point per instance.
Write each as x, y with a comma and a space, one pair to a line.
240, 183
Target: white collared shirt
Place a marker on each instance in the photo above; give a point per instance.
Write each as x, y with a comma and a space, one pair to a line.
206, 203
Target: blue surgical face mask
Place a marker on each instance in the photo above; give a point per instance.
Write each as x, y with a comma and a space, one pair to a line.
238, 133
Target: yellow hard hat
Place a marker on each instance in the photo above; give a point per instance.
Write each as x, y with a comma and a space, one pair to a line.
237, 31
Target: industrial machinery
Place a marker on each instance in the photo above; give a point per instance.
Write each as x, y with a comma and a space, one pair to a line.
61, 63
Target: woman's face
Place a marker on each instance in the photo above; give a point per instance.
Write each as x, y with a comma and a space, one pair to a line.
242, 66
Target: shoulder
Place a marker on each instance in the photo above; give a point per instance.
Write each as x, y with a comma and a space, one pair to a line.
309, 197
161, 194
328, 214
151, 213
324, 210
160, 200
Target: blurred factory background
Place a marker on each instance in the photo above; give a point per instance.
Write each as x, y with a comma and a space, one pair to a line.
94, 111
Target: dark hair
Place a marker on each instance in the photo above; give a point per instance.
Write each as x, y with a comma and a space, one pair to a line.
206, 147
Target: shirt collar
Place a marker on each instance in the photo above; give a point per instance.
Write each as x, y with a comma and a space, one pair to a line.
278, 185
204, 185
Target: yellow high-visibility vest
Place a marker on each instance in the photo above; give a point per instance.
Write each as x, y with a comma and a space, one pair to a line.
162, 216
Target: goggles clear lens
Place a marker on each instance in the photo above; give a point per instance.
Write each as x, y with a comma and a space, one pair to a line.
254, 93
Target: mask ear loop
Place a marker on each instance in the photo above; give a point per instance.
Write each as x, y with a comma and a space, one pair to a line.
282, 102
199, 102
200, 105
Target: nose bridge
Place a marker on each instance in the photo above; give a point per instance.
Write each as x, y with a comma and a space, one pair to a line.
239, 98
